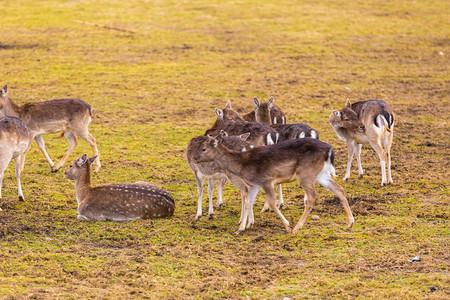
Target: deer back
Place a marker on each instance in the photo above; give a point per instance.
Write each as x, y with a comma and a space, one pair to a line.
294, 131
55, 115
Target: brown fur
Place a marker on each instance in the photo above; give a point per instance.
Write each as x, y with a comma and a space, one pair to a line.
117, 202
265, 113
71, 116
305, 160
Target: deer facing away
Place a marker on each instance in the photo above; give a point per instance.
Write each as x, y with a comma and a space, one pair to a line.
15, 140
306, 160
71, 116
117, 202
366, 122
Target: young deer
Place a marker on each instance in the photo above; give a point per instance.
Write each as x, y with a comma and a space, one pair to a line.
365, 122
72, 116
265, 113
15, 140
212, 172
306, 160
229, 120
117, 202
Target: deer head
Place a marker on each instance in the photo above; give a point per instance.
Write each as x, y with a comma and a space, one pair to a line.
346, 118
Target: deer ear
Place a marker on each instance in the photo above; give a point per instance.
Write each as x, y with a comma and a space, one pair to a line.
5, 89
337, 113
270, 103
82, 160
348, 104
219, 113
256, 103
92, 159
223, 133
245, 136
228, 104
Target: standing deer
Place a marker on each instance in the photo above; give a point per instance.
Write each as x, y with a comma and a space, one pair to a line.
212, 172
306, 160
229, 121
117, 202
15, 140
71, 116
363, 122
265, 113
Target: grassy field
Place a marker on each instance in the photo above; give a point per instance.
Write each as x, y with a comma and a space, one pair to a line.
155, 88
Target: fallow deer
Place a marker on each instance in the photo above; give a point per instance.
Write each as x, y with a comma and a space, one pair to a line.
266, 113
212, 172
71, 116
229, 120
117, 202
366, 122
306, 160
15, 140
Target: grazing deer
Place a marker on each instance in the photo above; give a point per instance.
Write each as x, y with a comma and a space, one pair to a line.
212, 172
265, 113
15, 140
365, 122
117, 202
229, 120
306, 160
71, 116
294, 131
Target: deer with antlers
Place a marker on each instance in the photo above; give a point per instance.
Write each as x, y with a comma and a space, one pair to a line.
71, 116
366, 122
306, 160
15, 140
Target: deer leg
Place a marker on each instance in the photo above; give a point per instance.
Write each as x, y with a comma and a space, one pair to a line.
19, 162
86, 136
351, 151
199, 180
72, 144
211, 183
388, 152
3, 164
310, 198
381, 154
41, 146
358, 159
251, 197
271, 198
280, 197
220, 186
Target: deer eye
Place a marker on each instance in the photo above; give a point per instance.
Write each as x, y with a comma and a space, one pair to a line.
203, 150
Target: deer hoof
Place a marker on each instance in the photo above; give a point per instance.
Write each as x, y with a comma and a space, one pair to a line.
53, 170
21, 198
237, 232
360, 176
211, 216
219, 206
197, 218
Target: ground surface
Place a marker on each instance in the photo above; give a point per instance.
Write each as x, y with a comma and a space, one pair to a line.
155, 89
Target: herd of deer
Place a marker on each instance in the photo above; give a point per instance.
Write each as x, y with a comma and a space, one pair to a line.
255, 151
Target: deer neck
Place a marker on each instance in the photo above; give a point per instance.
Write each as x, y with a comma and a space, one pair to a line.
83, 185
10, 109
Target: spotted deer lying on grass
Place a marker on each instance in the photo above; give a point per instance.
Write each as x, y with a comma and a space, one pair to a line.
306, 160
266, 113
71, 116
117, 202
212, 172
15, 140
366, 122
